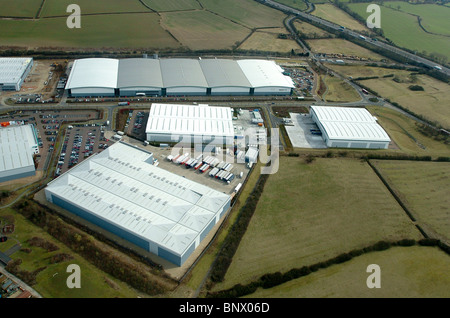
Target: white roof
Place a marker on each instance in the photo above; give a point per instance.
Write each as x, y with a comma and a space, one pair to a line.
201, 120
12, 69
263, 73
176, 72
121, 186
349, 123
94, 72
17, 144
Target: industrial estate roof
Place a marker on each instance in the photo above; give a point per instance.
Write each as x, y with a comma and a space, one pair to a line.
139, 73
12, 68
94, 72
349, 123
190, 120
17, 144
120, 185
223, 73
175, 72
263, 73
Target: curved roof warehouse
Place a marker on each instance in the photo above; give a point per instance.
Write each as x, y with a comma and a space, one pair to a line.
176, 77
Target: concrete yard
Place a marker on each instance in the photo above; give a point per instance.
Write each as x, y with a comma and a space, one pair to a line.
299, 132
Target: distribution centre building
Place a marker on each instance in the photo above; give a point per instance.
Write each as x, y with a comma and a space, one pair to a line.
13, 71
176, 77
121, 191
18, 145
191, 123
349, 127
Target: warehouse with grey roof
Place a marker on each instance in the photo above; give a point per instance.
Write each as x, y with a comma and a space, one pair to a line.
349, 127
18, 145
121, 191
176, 77
13, 71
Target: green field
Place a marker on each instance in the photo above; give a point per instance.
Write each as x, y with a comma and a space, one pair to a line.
424, 188
334, 14
130, 31
432, 103
172, 5
246, 12
405, 135
339, 91
344, 47
434, 18
297, 4
404, 30
406, 272
268, 41
19, 8
59, 7
206, 30
312, 212
51, 281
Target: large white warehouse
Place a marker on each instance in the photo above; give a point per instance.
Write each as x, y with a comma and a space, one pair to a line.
13, 71
191, 123
121, 191
349, 127
176, 77
18, 144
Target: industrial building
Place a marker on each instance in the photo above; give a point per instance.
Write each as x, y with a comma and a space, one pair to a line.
18, 145
176, 77
191, 123
349, 127
121, 191
13, 71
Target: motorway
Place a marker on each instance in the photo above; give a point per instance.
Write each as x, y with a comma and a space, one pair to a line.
356, 35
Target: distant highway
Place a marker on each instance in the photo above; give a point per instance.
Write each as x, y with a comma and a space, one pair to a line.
408, 55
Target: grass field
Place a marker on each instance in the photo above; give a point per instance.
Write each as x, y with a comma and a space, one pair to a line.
404, 30
297, 4
130, 31
432, 103
406, 272
59, 7
267, 41
339, 91
246, 12
356, 71
334, 14
329, 207
434, 17
172, 5
206, 30
311, 31
342, 46
424, 188
23, 8
403, 131
51, 282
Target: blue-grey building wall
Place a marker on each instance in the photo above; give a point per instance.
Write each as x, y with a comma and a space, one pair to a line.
18, 176
101, 223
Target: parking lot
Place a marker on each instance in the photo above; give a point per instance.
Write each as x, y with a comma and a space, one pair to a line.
48, 124
80, 143
137, 124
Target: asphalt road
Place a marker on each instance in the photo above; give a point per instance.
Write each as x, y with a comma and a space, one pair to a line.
354, 34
